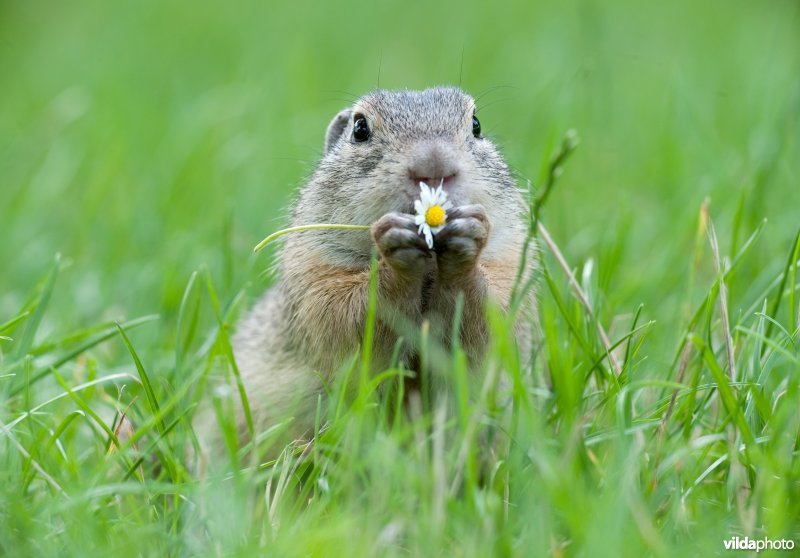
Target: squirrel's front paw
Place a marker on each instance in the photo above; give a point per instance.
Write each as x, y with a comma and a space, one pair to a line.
399, 244
460, 243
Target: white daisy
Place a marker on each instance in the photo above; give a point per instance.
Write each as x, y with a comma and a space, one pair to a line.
431, 208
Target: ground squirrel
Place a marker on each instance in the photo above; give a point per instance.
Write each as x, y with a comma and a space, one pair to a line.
376, 153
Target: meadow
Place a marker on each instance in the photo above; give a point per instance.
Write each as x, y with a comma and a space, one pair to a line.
145, 148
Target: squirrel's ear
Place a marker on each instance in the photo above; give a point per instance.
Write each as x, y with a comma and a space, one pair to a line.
336, 128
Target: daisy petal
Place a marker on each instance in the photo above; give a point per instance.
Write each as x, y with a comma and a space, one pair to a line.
429, 237
425, 194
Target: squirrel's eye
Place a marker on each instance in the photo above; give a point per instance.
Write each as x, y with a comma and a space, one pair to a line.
360, 129
476, 126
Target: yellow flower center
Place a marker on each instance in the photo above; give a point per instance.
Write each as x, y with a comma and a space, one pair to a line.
435, 216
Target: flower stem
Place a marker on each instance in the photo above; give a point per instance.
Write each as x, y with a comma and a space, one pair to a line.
282, 232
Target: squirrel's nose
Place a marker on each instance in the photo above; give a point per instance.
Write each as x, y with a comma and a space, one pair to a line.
433, 164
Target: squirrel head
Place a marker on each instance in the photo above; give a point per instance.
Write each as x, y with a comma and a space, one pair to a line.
379, 150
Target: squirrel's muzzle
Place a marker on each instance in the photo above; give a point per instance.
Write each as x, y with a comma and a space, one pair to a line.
433, 163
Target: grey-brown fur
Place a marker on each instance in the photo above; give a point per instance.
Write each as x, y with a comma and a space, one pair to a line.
297, 336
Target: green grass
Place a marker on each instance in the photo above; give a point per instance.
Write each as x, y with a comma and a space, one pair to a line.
146, 148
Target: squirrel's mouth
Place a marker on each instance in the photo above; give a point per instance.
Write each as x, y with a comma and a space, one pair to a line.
445, 182
449, 183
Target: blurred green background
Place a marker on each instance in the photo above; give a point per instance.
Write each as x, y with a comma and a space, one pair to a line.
142, 140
